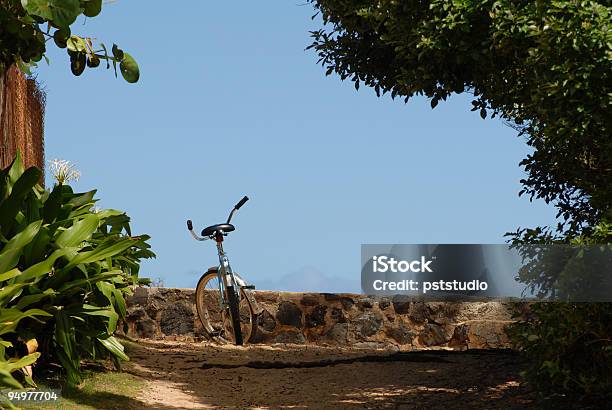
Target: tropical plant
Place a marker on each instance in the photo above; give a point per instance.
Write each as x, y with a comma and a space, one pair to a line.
27, 26
65, 271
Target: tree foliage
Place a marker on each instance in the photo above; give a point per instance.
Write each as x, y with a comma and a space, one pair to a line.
28, 26
545, 68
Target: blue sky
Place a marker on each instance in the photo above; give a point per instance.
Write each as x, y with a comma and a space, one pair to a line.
229, 103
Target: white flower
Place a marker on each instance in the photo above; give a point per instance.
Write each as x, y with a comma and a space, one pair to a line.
63, 171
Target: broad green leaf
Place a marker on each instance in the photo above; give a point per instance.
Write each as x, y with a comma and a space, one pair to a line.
9, 275
129, 68
92, 8
9, 259
40, 8
35, 272
79, 232
7, 293
82, 199
64, 12
89, 281
10, 318
20, 363
101, 252
76, 44
25, 301
113, 346
11, 206
9, 256
6, 379
120, 302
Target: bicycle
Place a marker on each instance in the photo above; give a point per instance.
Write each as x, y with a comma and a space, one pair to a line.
224, 301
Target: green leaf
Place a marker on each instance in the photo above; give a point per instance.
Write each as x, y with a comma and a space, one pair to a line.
92, 8
76, 44
10, 318
101, 252
12, 250
64, 12
129, 69
9, 275
40, 8
25, 301
7, 293
40, 269
11, 206
79, 232
117, 52
113, 346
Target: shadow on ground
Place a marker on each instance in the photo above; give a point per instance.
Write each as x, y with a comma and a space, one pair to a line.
198, 375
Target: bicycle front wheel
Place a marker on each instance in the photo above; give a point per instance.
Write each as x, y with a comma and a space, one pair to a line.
220, 323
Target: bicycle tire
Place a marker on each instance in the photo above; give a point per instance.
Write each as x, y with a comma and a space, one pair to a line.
210, 313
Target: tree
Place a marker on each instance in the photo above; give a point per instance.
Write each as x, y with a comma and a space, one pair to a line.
545, 68
27, 26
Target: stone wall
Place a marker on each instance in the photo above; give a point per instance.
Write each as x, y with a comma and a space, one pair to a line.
333, 319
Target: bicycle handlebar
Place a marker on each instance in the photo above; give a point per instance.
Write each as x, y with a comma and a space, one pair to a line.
195, 235
236, 207
242, 201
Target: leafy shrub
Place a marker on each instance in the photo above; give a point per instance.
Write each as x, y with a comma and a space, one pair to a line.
569, 347
65, 271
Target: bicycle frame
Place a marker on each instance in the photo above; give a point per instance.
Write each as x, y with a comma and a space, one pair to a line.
225, 274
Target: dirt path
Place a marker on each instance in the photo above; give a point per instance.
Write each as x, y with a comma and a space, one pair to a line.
199, 376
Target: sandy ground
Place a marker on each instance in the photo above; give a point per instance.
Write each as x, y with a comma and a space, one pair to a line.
181, 375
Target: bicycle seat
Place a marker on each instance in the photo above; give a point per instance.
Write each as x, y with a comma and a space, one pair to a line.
208, 231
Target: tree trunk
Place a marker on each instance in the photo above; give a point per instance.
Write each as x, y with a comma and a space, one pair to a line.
3, 133
22, 106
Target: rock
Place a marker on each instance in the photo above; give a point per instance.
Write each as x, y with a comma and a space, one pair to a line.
337, 319
266, 296
265, 321
401, 304
146, 329
443, 312
364, 303
370, 345
402, 334
337, 315
418, 312
338, 333
367, 324
290, 337
176, 319
140, 296
434, 335
316, 318
310, 299
384, 303
135, 313
289, 314
481, 334
347, 302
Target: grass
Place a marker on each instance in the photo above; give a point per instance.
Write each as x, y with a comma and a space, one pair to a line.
101, 389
